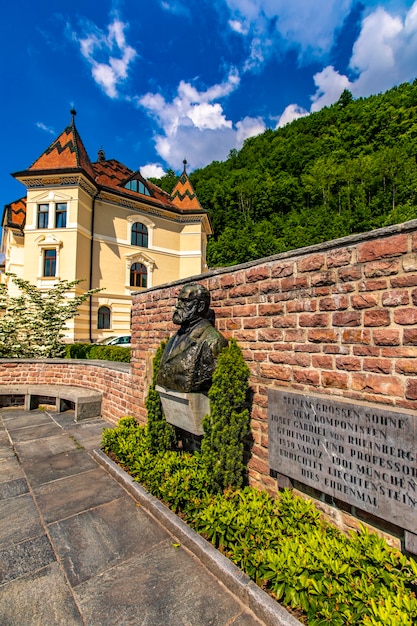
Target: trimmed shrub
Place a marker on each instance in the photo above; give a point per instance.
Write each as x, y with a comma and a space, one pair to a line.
98, 352
161, 434
225, 429
322, 575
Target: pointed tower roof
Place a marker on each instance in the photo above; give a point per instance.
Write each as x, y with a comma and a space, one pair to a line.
66, 152
183, 195
14, 214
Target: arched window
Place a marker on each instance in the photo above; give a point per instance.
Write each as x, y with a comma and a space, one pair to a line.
139, 235
103, 317
138, 275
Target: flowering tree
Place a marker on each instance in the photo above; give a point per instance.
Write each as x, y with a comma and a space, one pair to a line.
33, 323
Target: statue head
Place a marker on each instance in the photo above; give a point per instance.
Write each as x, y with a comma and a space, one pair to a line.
193, 303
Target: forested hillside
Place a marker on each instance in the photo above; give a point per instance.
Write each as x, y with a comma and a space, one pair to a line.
348, 168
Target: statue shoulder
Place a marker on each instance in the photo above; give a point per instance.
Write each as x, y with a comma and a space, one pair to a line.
212, 336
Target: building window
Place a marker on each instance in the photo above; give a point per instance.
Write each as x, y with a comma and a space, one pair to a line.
103, 319
49, 263
43, 212
61, 215
138, 186
139, 235
138, 275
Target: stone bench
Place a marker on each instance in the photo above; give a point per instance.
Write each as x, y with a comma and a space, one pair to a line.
85, 402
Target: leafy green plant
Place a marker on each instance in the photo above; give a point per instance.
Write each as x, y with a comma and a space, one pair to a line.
99, 352
283, 544
161, 434
34, 321
110, 353
222, 447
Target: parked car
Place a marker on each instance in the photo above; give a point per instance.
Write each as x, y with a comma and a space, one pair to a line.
117, 340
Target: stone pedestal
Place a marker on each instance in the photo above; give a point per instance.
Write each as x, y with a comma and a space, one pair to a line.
184, 410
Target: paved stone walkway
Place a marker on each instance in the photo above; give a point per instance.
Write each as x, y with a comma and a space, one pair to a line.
76, 549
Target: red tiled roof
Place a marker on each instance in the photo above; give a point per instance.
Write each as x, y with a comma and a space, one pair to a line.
113, 174
183, 195
15, 214
110, 173
67, 151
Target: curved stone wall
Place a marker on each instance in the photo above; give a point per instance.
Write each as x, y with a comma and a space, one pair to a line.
112, 379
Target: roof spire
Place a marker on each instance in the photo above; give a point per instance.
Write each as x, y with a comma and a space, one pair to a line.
73, 114
185, 166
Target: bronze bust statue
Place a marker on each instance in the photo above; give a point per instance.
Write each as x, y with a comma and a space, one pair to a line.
190, 356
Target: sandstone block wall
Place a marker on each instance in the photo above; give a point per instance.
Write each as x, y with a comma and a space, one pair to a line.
338, 318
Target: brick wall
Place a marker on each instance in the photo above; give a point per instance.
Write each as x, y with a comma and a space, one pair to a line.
113, 380
338, 318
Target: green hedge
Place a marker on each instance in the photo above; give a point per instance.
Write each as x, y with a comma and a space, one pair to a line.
311, 567
96, 351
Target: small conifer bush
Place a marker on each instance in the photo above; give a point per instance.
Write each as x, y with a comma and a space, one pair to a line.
161, 434
225, 429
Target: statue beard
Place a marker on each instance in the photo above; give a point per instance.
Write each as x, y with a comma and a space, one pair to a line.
178, 318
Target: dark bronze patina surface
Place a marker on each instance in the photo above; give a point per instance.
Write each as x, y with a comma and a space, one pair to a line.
190, 355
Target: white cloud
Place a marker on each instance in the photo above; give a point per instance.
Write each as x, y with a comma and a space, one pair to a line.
239, 27
330, 85
194, 125
249, 127
152, 170
292, 112
175, 7
47, 129
384, 55
274, 26
108, 54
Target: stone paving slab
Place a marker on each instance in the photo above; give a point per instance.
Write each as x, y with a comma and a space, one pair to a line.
14, 421
44, 447
78, 549
39, 599
35, 431
10, 468
19, 520
192, 596
25, 557
13, 488
87, 433
69, 496
4, 440
93, 541
43, 469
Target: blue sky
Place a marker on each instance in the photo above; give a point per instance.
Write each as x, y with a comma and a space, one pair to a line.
154, 81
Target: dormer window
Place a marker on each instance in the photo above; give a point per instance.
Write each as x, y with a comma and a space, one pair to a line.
138, 186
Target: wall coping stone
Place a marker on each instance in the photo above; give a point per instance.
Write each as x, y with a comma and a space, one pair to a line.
325, 246
110, 365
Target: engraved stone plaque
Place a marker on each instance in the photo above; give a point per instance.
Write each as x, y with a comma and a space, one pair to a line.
185, 410
359, 453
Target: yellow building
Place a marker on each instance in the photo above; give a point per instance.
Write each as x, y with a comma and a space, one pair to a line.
105, 224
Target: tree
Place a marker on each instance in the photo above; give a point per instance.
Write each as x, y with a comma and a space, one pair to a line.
351, 164
225, 429
345, 98
167, 182
33, 322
